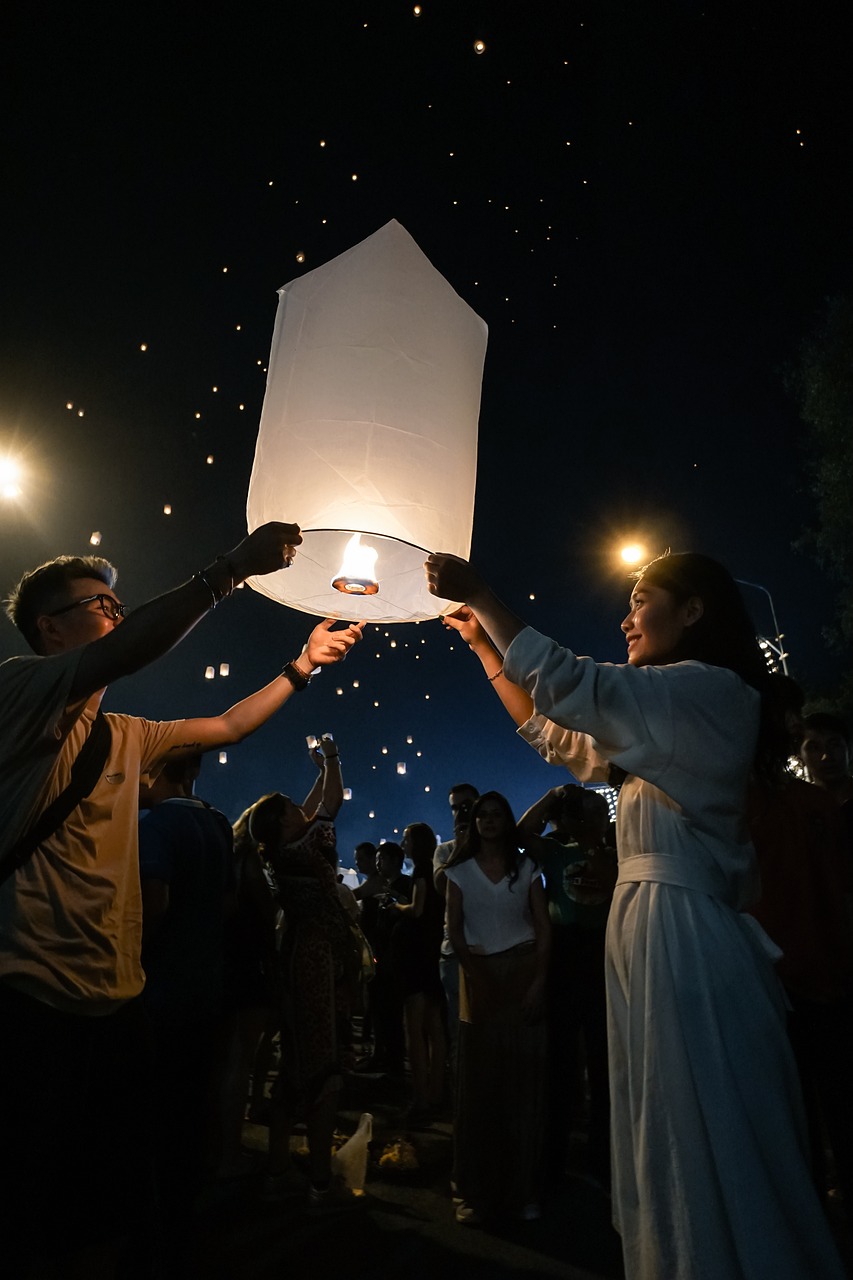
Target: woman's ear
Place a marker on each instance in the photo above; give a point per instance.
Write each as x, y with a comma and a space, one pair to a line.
693, 610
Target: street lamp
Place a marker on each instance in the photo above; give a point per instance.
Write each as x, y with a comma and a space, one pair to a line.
633, 553
773, 650
10, 475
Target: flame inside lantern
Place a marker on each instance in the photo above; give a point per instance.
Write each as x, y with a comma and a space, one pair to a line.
356, 575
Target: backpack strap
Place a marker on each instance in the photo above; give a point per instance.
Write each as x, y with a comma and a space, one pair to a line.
85, 772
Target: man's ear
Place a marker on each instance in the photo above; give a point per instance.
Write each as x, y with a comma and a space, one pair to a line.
48, 633
693, 610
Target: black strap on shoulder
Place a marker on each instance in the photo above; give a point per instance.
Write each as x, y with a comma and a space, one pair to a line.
85, 772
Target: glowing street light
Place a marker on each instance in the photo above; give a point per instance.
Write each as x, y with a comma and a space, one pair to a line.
10, 477
633, 553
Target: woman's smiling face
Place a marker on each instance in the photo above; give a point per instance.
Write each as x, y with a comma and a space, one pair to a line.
655, 623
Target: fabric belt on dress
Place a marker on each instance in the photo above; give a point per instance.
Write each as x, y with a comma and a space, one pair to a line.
664, 868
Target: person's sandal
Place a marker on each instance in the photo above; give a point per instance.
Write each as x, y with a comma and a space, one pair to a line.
333, 1197
467, 1215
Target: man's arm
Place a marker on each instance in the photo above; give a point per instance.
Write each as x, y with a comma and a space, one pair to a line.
157, 626
323, 648
539, 814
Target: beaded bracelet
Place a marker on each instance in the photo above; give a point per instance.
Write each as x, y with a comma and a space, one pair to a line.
493, 678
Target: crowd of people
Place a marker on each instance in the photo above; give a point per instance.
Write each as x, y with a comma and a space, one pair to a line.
676, 984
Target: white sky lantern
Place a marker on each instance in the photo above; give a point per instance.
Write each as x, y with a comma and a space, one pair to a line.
209, 673
368, 434
401, 767
224, 668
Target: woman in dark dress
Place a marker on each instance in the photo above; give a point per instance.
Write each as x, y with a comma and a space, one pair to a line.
416, 947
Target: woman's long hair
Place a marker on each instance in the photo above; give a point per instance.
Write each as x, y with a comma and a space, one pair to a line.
422, 846
724, 636
469, 844
264, 818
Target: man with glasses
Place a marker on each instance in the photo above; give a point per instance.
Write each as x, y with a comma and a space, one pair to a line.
72, 1070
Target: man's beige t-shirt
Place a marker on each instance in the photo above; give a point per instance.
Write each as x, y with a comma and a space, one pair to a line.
71, 917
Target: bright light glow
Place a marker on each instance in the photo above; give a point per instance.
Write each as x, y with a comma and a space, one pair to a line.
209, 673
356, 575
223, 757
95, 539
10, 476
224, 669
634, 553
401, 767
479, 46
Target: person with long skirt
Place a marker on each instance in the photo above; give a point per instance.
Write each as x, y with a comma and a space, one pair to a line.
710, 1166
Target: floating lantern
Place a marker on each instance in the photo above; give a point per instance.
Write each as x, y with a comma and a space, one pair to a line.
209, 673
401, 767
224, 669
223, 757
368, 434
95, 539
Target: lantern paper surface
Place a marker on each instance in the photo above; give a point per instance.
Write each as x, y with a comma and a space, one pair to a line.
369, 426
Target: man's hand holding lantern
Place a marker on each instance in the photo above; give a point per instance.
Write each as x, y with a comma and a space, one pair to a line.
325, 646
270, 547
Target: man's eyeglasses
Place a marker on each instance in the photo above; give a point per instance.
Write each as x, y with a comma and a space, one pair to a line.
108, 605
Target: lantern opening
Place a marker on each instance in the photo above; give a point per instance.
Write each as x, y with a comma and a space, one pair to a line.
356, 575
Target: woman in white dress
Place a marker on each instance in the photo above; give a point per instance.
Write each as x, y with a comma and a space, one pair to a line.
710, 1173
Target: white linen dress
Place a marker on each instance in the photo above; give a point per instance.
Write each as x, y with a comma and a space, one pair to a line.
710, 1174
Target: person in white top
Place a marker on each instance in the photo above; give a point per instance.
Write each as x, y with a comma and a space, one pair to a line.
499, 928
710, 1172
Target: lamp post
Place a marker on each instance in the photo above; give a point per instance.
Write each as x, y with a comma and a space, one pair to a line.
775, 645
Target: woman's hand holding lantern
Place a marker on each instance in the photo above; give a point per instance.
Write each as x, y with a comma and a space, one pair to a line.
453, 578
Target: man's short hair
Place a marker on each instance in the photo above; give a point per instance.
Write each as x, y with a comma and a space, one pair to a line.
826, 722
390, 849
43, 588
464, 786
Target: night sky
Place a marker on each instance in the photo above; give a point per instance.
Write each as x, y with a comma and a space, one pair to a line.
646, 202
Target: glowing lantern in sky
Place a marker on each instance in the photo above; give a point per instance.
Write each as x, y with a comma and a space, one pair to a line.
368, 434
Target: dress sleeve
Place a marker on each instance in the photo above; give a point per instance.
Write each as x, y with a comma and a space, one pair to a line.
598, 712
576, 751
